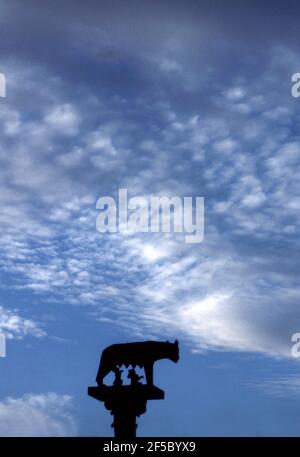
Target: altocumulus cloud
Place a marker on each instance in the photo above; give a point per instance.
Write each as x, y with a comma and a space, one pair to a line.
12, 325
232, 141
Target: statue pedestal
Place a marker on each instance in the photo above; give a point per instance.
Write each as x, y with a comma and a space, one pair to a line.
126, 403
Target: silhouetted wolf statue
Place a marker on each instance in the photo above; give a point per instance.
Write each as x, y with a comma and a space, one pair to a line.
142, 354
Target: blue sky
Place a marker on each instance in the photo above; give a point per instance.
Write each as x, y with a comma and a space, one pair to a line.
162, 98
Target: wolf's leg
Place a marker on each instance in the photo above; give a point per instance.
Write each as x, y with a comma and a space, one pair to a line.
99, 377
149, 373
102, 372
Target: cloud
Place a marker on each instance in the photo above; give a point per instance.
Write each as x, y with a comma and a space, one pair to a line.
63, 119
12, 325
232, 141
37, 415
284, 386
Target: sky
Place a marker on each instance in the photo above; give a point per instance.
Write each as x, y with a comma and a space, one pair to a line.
162, 98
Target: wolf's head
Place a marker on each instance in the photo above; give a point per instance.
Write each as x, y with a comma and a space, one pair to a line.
173, 351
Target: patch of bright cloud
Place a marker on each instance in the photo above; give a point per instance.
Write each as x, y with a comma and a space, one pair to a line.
37, 415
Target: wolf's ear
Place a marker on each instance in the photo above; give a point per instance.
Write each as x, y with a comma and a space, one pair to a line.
176, 342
